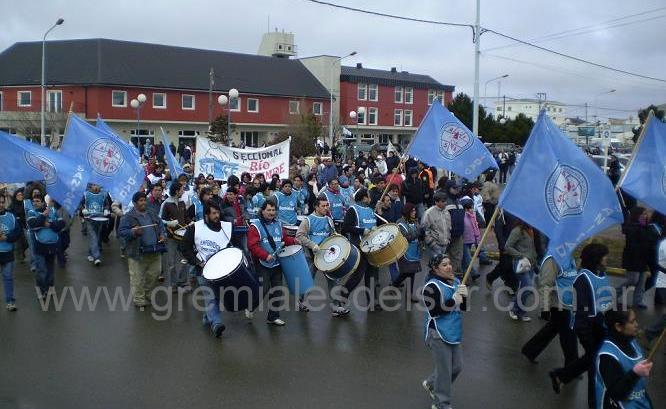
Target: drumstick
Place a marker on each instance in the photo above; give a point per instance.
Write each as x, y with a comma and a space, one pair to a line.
656, 345
382, 219
148, 225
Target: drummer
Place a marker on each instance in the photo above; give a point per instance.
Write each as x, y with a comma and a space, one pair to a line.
287, 203
174, 215
335, 200
311, 232
265, 238
95, 205
202, 240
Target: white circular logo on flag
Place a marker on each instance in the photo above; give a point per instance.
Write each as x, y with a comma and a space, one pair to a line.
105, 157
566, 192
454, 140
43, 165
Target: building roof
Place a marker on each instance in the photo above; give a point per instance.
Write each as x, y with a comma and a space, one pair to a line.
391, 78
106, 62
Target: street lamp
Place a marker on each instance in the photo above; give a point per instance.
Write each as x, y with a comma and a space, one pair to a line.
485, 88
354, 115
43, 104
137, 103
330, 106
224, 100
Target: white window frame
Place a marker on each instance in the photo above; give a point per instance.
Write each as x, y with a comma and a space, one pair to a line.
376, 89
124, 105
360, 115
182, 102
18, 99
397, 112
409, 91
384, 138
257, 106
376, 113
239, 101
298, 107
411, 117
48, 100
362, 86
321, 108
2, 105
396, 90
432, 96
164, 95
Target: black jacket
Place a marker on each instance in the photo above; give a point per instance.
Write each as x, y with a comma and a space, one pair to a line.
412, 190
635, 256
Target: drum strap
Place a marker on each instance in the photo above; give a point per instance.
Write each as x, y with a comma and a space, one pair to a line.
270, 238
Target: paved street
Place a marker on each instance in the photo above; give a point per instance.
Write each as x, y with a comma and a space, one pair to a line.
105, 359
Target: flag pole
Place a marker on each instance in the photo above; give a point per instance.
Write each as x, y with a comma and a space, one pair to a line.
656, 345
489, 226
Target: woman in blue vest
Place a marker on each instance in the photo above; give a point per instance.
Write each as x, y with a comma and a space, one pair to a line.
594, 296
10, 232
410, 263
621, 369
444, 298
44, 225
265, 237
287, 203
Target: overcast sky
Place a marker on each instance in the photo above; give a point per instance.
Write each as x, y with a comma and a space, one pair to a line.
445, 53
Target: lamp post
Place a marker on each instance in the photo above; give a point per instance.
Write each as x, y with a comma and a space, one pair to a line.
330, 106
43, 104
137, 103
485, 88
354, 117
224, 100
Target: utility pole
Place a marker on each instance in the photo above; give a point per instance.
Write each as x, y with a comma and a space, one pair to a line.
586, 112
477, 53
211, 82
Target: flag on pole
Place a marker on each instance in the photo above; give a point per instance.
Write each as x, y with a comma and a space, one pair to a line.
391, 148
65, 178
174, 167
100, 124
111, 163
645, 176
558, 190
443, 141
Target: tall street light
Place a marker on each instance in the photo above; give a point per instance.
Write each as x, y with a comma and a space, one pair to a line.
43, 104
137, 103
354, 117
485, 88
224, 100
330, 107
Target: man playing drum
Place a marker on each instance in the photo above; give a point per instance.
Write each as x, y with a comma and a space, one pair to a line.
174, 215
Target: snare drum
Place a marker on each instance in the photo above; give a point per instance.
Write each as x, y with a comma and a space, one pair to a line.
384, 245
337, 257
295, 269
229, 272
291, 230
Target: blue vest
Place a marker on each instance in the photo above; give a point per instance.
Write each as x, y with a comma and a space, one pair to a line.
320, 228
249, 209
258, 200
198, 209
336, 203
7, 225
45, 235
347, 194
637, 399
448, 326
564, 281
94, 202
275, 230
365, 217
602, 292
27, 206
286, 207
413, 251
301, 195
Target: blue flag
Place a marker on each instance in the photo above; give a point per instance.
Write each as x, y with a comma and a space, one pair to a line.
174, 167
106, 128
111, 163
557, 189
443, 141
23, 161
645, 176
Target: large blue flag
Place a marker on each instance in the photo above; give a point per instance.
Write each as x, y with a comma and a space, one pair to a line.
557, 189
443, 141
174, 167
100, 124
111, 162
645, 176
23, 161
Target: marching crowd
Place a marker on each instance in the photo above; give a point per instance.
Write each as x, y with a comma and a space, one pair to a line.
176, 223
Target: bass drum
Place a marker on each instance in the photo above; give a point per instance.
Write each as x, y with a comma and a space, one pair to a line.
384, 245
228, 271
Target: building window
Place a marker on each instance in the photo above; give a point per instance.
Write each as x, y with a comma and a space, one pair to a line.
362, 91
360, 116
294, 108
398, 95
250, 138
408, 117
317, 108
372, 116
188, 102
234, 104
397, 117
409, 95
252, 105
384, 138
24, 98
1, 102
159, 100
119, 99
434, 94
54, 100
372, 92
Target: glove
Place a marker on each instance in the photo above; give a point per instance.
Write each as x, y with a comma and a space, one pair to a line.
85, 212
462, 290
643, 368
315, 248
106, 212
172, 223
458, 298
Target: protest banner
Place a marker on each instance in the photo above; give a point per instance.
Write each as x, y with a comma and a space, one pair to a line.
222, 161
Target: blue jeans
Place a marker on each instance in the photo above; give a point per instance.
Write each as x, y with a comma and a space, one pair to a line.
31, 249
7, 270
212, 316
524, 281
45, 271
94, 230
466, 259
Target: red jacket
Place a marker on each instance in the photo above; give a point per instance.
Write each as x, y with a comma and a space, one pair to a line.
254, 242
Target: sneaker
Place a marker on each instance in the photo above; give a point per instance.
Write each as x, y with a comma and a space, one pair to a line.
303, 307
98, 262
217, 330
11, 307
525, 318
429, 389
91, 258
513, 315
340, 311
277, 322
249, 314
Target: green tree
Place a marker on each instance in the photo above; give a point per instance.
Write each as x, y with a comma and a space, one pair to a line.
304, 133
643, 116
219, 130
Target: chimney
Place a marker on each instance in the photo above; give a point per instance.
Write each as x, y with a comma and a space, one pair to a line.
359, 65
393, 69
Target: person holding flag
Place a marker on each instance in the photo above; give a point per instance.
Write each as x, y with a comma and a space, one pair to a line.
44, 225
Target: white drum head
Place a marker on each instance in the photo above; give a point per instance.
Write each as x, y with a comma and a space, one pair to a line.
379, 238
99, 219
290, 227
222, 263
334, 252
180, 232
661, 253
290, 250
